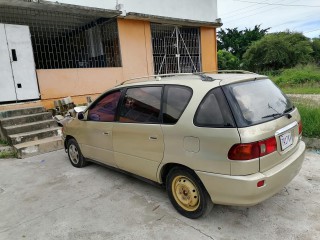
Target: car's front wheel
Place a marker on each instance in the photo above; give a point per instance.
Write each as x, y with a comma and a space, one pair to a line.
75, 156
187, 194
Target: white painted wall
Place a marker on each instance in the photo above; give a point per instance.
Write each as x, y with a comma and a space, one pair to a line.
107, 4
201, 10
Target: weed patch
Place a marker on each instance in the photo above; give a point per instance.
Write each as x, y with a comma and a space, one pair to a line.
310, 115
8, 154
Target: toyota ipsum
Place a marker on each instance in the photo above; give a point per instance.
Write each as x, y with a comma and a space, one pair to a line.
209, 138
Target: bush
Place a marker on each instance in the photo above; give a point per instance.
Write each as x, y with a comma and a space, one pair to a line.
316, 50
227, 61
278, 50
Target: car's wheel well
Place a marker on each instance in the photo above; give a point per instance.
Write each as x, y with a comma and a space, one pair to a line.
166, 169
68, 137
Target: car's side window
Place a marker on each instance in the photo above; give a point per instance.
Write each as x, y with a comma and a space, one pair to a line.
105, 109
214, 111
141, 105
176, 99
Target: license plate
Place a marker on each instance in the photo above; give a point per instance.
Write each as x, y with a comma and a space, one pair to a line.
286, 140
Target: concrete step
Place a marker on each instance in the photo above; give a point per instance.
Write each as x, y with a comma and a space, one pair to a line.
37, 147
34, 135
20, 112
29, 127
18, 120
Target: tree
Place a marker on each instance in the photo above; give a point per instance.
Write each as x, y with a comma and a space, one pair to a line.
237, 42
227, 61
316, 50
278, 50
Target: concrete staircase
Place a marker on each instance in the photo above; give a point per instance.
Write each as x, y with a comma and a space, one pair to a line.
30, 131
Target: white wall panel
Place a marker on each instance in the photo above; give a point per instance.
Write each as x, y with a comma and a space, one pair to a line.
201, 10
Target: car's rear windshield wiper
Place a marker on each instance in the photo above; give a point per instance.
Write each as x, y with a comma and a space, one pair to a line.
273, 115
289, 109
286, 112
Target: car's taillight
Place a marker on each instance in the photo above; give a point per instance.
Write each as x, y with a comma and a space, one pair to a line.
247, 151
268, 146
300, 127
244, 151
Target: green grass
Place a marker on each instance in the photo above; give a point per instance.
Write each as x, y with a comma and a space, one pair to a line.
298, 80
3, 142
6, 154
298, 75
310, 115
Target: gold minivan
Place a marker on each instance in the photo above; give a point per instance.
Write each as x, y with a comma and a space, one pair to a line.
227, 138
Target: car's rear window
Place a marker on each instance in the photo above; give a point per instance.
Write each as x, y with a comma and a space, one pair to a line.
255, 102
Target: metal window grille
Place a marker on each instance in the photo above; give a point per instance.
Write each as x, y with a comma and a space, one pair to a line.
175, 49
62, 40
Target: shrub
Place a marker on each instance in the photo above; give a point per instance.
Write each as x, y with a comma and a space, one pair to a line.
278, 50
316, 50
227, 60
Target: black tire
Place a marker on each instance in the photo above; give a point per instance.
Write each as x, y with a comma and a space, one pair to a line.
187, 193
74, 153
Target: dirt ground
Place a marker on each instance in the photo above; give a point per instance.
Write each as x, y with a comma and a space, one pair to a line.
44, 197
313, 99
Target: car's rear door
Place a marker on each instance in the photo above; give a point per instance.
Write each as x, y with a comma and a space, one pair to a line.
137, 135
263, 112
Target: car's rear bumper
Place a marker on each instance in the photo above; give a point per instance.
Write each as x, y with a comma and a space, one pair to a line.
243, 190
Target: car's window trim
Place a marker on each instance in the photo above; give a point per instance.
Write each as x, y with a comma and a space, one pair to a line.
123, 91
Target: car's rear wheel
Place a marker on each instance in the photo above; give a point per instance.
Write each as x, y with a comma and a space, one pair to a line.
187, 194
75, 156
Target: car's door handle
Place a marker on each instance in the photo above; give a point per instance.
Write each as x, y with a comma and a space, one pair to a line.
106, 133
153, 137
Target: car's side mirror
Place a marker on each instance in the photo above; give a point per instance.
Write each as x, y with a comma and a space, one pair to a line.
80, 115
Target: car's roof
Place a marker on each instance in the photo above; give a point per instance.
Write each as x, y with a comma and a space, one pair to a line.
191, 80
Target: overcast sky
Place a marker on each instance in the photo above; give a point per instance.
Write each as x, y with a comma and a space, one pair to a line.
303, 17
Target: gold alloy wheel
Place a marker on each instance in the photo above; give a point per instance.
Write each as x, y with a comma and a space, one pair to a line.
185, 193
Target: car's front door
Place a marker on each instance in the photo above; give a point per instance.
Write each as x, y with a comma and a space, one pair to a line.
97, 131
137, 135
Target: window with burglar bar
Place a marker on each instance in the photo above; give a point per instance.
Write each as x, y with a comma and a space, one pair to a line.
67, 40
175, 49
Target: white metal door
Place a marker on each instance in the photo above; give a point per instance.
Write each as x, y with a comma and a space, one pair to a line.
22, 61
7, 86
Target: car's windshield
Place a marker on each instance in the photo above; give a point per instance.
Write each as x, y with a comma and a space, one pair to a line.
257, 101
